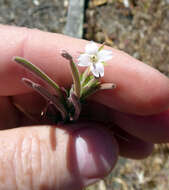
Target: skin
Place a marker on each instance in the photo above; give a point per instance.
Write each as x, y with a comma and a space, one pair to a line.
126, 121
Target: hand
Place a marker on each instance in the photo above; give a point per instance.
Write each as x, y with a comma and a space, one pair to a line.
76, 155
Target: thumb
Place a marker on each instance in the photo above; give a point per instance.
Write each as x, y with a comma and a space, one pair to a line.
44, 157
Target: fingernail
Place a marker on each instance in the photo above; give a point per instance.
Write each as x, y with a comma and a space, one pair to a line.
96, 153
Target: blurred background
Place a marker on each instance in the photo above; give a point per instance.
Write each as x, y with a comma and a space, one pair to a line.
138, 27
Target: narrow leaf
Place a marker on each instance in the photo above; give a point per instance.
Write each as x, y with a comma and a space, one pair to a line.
101, 47
75, 73
107, 86
91, 87
77, 106
92, 82
49, 97
89, 92
88, 78
85, 75
38, 72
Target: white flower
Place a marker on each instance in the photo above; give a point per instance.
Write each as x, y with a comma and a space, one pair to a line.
94, 57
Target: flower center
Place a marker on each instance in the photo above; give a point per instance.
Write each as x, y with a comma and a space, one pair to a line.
93, 58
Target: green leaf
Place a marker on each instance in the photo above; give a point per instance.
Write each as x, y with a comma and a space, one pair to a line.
84, 76
76, 78
91, 87
101, 47
89, 78
31, 67
75, 73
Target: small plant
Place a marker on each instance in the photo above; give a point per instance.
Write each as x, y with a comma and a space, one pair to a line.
65, 104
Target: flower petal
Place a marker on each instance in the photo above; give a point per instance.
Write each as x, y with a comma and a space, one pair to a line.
84, 60
91, 48
97, 70
105, 55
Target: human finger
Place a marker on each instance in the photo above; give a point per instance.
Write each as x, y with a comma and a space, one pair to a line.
153, 128
8, 114
131, 146
135, 81
46, 157
150, 128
